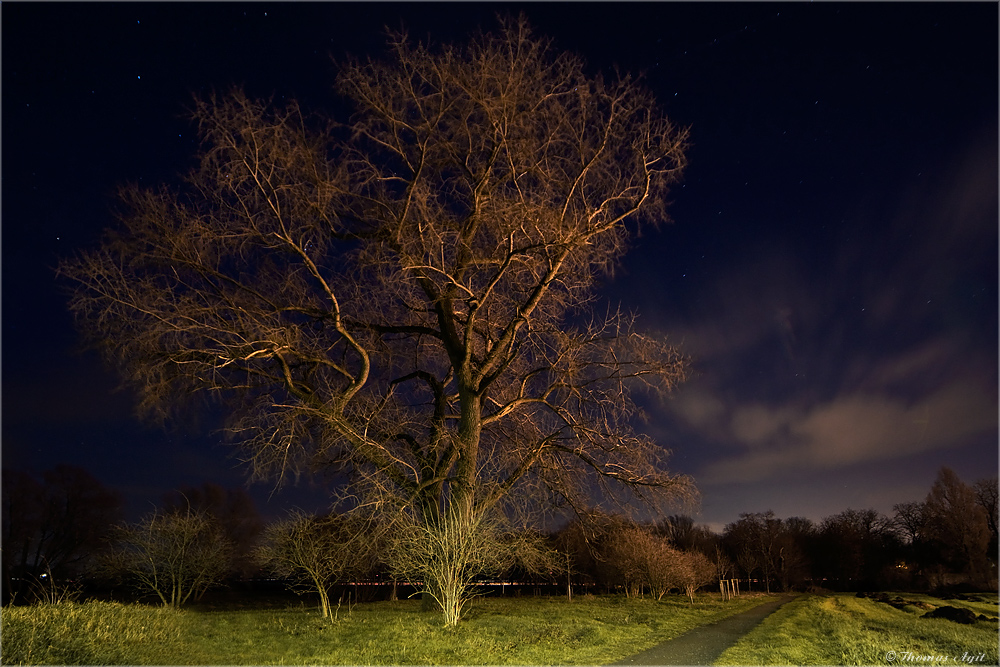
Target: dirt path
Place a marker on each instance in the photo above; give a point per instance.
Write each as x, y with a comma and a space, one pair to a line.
704, 644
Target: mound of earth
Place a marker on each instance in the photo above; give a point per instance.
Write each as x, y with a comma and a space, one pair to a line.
897, 601
955, 614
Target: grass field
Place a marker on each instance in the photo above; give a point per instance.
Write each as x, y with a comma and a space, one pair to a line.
496, 631
841, 629
837, 629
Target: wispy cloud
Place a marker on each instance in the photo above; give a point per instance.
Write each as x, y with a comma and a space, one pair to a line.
878, 349
850, 429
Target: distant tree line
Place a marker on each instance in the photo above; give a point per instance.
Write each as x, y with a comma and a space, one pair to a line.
66, 528
55, 528
949, 538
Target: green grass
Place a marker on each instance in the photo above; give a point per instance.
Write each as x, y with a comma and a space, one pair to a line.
842, 629
495, 631
97, 633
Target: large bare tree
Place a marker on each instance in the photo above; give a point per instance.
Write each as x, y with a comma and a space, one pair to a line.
408, 297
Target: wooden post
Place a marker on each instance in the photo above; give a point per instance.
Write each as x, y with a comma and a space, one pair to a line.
730, 588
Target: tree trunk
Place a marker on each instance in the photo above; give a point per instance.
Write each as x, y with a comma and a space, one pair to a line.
569, 580
324, 602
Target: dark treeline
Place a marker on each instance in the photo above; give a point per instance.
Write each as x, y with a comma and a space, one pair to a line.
54, 528
63, 537
949, 539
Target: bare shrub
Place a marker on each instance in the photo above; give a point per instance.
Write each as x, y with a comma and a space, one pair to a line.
176, 555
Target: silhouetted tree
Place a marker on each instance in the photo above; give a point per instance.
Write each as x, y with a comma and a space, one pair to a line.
677, 529
738, 538
796, 545
857, 547
21, 524
405, 298
581, 539
909, 521
754, 541
235, 513
956, 525
682, 532
53, 529
917, 557
590, 540
986, 491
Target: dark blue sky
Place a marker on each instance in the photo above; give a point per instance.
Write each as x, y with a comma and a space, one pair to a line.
832, 265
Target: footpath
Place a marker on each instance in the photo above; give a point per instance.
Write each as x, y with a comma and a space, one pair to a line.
704, 644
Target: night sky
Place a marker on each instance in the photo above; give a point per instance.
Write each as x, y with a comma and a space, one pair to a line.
831, 266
